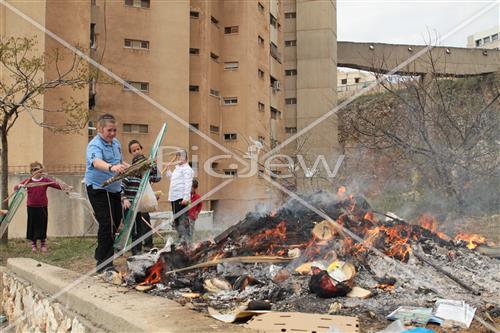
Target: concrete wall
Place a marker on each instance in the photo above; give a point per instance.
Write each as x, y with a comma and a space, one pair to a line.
66, 217
316, 79
32, 285
25, 148
380, 57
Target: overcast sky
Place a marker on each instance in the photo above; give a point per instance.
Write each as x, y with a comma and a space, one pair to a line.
407, 21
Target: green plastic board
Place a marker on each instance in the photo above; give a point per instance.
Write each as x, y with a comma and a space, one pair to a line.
14, 204
128, 223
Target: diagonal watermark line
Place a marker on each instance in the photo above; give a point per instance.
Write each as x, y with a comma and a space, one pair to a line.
81, 279
379, 80
122, 81
393, 262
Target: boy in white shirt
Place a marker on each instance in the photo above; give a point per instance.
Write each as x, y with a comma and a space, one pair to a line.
179, 194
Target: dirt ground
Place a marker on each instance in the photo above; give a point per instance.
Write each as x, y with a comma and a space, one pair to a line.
77, 254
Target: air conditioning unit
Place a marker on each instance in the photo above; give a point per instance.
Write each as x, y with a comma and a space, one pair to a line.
276, 85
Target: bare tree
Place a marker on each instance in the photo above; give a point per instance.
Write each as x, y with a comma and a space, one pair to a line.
26, 76
445, 127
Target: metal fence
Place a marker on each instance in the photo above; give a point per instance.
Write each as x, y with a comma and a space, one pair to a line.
54, 168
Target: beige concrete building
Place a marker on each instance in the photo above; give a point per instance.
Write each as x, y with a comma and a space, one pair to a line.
218, 65
351, 81
487, 39
310, 83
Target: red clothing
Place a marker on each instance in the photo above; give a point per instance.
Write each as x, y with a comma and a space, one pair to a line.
195, 210
37, 195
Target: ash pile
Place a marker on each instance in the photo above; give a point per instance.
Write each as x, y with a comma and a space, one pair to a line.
354, 262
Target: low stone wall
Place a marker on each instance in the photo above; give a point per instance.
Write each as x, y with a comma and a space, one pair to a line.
28, 309
88, 304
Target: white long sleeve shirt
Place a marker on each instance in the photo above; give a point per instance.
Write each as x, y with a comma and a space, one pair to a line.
181, 181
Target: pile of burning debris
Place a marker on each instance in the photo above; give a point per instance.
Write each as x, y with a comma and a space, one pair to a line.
351, 263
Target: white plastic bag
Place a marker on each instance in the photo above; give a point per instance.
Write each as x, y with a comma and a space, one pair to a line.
148, 202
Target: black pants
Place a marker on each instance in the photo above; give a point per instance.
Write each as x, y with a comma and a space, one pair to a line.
148, 241
37, 223
108, 213
140, 229
180, 221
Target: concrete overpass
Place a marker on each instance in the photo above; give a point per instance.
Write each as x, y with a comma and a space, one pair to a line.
448, 61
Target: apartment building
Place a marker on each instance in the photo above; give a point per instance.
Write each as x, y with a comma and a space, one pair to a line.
247, 74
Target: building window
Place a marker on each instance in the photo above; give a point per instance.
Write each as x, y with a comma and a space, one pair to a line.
136, 44
290, 15
260, 73
138, 3
215, 165
261, 7
231, 30
195, 125
214, 129
273, 20
274, 52
194, 14
289, 43
290, 72
230, 100
193, 50
142, 86
194, 88
356, 80
494, 37
260, 40
230, 172
291, 130
486, 40
230, 136
343, 81
214, 93
92, 36
231, 65
261, 107
275, 113
291, 101
214, 21
479, 42
135, 128
214, 57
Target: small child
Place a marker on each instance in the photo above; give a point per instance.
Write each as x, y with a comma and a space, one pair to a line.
37, 203
194, 211
130, 185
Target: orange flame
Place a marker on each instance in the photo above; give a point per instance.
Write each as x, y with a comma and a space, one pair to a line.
369, 216
473, 240
274, 237
154, 274
427, 221
341, 192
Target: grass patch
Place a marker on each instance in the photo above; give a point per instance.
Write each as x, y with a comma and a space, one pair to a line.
66, 252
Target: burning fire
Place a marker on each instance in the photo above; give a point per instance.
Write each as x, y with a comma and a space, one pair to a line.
473, 240
154, 274
270, 238
427, 221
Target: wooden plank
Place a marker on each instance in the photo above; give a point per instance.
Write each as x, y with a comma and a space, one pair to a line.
244, 260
